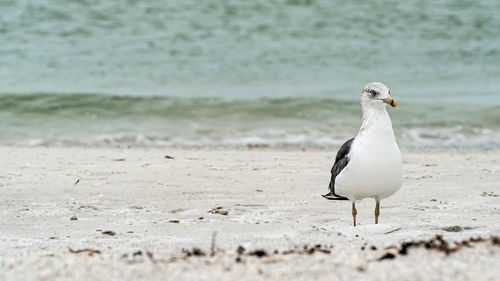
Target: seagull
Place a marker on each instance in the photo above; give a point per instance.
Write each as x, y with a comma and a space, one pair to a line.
369, 165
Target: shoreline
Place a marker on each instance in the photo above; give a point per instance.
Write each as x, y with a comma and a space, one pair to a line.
248, 147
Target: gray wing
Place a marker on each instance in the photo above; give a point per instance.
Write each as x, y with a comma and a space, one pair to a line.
341, 161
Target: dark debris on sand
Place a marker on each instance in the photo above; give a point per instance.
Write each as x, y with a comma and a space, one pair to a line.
437, 243
219, 210
138, 257
304, 250
109, 232
197, 252
455, 228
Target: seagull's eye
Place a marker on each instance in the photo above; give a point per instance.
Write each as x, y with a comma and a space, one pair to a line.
373, 93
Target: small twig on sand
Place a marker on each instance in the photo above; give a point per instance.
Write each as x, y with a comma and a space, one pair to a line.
394, 230
212, 245
150, 256
91, 252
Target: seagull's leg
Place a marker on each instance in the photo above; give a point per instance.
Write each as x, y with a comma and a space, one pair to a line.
377, 212
354, 212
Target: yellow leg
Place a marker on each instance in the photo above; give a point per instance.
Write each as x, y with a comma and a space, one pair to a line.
354, 212
377, 212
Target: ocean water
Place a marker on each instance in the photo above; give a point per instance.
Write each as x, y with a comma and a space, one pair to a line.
234, 73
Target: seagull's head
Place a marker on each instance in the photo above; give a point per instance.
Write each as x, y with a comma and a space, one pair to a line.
377, 95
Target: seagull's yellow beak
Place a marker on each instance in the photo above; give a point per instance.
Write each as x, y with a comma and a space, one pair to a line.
390, 101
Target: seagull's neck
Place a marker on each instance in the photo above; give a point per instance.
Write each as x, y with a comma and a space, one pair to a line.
376, 123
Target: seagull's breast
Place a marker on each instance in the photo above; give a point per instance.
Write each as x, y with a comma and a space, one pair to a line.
375, 168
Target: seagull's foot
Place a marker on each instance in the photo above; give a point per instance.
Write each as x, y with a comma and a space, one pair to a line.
332, 196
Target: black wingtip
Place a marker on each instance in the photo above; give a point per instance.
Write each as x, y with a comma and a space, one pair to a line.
331, 196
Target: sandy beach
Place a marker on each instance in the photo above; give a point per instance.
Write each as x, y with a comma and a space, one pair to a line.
149, 212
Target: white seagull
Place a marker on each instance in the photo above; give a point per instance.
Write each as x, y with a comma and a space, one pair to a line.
369, 165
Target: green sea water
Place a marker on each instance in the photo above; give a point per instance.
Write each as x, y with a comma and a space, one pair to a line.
232, 73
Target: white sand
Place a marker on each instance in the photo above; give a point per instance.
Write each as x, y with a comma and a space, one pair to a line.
273, 202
